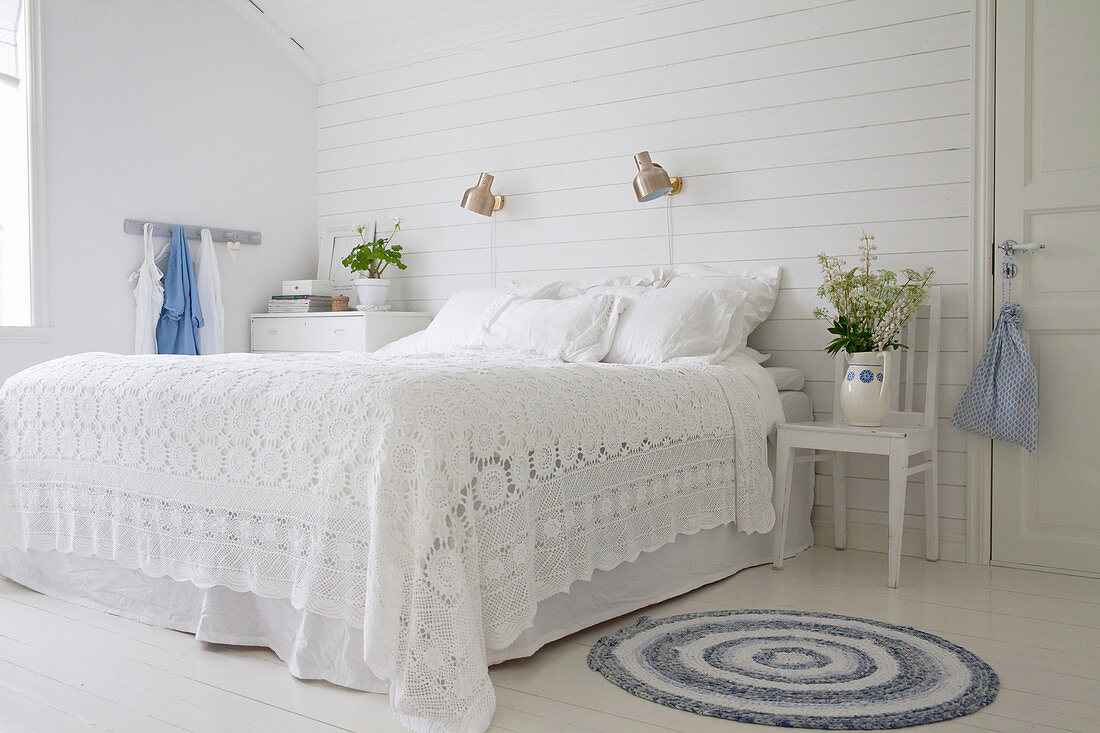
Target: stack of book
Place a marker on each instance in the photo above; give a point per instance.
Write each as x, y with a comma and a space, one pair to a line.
299, 304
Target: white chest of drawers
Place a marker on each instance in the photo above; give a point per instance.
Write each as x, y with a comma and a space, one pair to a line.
344, 331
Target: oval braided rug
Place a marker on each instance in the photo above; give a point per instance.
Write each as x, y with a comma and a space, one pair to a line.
796, 669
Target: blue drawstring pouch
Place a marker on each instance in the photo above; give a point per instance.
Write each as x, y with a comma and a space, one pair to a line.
1002, 399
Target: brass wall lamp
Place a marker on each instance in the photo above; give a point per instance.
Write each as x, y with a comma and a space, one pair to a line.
480, 199
652, 180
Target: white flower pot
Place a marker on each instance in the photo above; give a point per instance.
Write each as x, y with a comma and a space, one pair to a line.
865, 392
371, 290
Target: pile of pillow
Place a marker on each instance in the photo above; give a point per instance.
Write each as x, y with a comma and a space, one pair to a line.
686, 312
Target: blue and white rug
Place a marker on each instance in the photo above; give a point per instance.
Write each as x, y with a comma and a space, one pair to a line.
796, 669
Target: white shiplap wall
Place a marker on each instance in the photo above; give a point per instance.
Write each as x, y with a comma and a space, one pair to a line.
794, 122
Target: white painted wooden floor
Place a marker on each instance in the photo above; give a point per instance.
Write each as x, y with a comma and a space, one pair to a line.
65, 668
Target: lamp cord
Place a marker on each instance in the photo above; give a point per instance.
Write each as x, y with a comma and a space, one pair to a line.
668, 221
492, 251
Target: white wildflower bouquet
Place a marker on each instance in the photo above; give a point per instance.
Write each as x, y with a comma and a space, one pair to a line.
868, 308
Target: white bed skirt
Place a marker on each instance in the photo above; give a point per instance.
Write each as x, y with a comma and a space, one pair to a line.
317, 647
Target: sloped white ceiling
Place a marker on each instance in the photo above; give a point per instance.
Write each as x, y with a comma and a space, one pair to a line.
349, 36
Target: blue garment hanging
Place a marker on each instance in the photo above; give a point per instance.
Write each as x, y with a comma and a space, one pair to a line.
181, 315
1002, 399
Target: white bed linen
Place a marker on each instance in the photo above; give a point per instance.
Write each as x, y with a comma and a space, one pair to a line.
573, 329
760, 287
377, 491
661, 325
787, 379
765, 384
463, 320
316, 647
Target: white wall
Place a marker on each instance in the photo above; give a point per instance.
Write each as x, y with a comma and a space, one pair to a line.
167, 110
794, 126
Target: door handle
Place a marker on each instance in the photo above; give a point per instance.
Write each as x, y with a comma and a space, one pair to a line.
1010, 247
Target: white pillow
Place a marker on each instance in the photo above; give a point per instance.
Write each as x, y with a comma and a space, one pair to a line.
573, 288
462, 321
412, 344
570, 288
761, 288
754, 354
787, 379
536, 291
572, 329
662, 324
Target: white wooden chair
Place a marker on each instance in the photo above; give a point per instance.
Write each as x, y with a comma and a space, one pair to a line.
904, 434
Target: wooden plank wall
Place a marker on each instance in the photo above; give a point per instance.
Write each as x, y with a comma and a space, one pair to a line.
794, 122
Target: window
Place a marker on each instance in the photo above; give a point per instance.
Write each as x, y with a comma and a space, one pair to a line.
17, 291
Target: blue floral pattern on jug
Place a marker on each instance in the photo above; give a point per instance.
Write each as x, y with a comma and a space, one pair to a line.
866, 376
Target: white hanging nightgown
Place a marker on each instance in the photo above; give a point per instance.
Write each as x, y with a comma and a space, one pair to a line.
209, 280
149, 297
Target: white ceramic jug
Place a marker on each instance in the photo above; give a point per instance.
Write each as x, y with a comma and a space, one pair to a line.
865, 394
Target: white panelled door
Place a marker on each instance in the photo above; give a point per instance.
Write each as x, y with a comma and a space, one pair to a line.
1046, 505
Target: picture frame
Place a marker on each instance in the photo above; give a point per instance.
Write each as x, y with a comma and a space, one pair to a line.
335, 243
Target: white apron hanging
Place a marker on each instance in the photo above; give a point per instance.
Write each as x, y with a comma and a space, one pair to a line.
149, 297
209, 280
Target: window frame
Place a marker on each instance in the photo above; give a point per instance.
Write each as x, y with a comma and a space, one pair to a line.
40, 329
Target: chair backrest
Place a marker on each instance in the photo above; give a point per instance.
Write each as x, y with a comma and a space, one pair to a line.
904, 368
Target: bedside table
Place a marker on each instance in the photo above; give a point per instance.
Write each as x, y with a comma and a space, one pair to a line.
340, 331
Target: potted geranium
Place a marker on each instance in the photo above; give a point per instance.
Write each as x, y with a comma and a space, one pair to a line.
371, 258
869, 309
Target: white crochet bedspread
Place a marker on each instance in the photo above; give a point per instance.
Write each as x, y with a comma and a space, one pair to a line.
431, 502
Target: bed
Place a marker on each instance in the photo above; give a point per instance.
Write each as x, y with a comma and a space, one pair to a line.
387, 523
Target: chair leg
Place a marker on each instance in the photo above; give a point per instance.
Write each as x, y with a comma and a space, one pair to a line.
931, 509
899, 462
784, 464
840, 501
